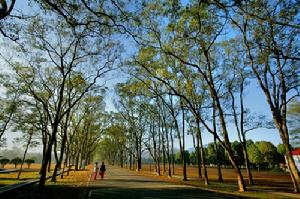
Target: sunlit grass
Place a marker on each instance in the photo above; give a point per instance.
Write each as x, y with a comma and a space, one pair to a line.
74, 186
75, 178
267, 182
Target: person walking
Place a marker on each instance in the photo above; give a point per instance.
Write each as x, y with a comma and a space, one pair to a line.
102, 170
95, 170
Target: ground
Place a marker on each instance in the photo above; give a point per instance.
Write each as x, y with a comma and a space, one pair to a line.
121, 183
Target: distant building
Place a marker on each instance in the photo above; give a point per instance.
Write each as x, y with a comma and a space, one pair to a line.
296, 156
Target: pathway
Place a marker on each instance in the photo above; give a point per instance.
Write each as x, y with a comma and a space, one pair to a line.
122, 183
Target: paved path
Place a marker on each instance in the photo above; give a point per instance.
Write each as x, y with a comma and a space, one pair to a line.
122, 183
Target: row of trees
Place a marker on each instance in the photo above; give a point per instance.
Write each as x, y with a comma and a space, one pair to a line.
16, 162
192, 68
54, 84
192, 63
261, 154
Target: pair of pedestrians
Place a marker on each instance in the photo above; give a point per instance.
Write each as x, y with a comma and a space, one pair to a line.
101, 170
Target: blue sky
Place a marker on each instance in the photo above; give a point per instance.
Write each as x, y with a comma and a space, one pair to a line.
254, 100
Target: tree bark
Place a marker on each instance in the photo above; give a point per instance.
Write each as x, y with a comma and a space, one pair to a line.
24, 155
202, 153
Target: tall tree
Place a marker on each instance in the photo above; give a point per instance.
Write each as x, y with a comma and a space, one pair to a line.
58, 52
294, 121
271, 44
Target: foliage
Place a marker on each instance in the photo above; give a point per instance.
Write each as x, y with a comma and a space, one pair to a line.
212, 155
178, 157
29, 162
16, 161
4, 161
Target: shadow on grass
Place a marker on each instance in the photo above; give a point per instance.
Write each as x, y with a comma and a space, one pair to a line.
49, 192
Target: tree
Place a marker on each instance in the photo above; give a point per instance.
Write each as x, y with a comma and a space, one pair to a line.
272, 50
4, 161
216, 156
7, 27
16, 161
9, 108
255, 156
238, 152
5, 9
193, 158
29, 162
58, 87
188, 40
268, 152
294, 122
281, 149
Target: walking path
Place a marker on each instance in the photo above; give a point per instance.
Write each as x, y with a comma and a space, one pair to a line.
122, 183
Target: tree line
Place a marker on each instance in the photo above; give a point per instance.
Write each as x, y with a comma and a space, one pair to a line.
190, 67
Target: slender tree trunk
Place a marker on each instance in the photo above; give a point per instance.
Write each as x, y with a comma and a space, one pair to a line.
163, 149
62, 149
47, 158
49, 164
24, 155
197, 149
159, 151
220, 177
168, 149
183, 146
172, 152
154, 147
65, 163
289, 158
202, 152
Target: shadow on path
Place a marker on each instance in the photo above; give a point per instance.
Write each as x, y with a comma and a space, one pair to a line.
140, 193
122, 183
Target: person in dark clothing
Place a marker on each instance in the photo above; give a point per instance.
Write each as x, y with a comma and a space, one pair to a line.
102, 170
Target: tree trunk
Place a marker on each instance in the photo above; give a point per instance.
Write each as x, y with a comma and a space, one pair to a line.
159, 152
24, 155
46, 160
220, 177
202, 152
197, 149
168, 149
62, 149
172, 152
183, 146
65, 163
289, 158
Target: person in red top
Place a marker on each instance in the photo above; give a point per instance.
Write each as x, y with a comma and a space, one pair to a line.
102, 170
